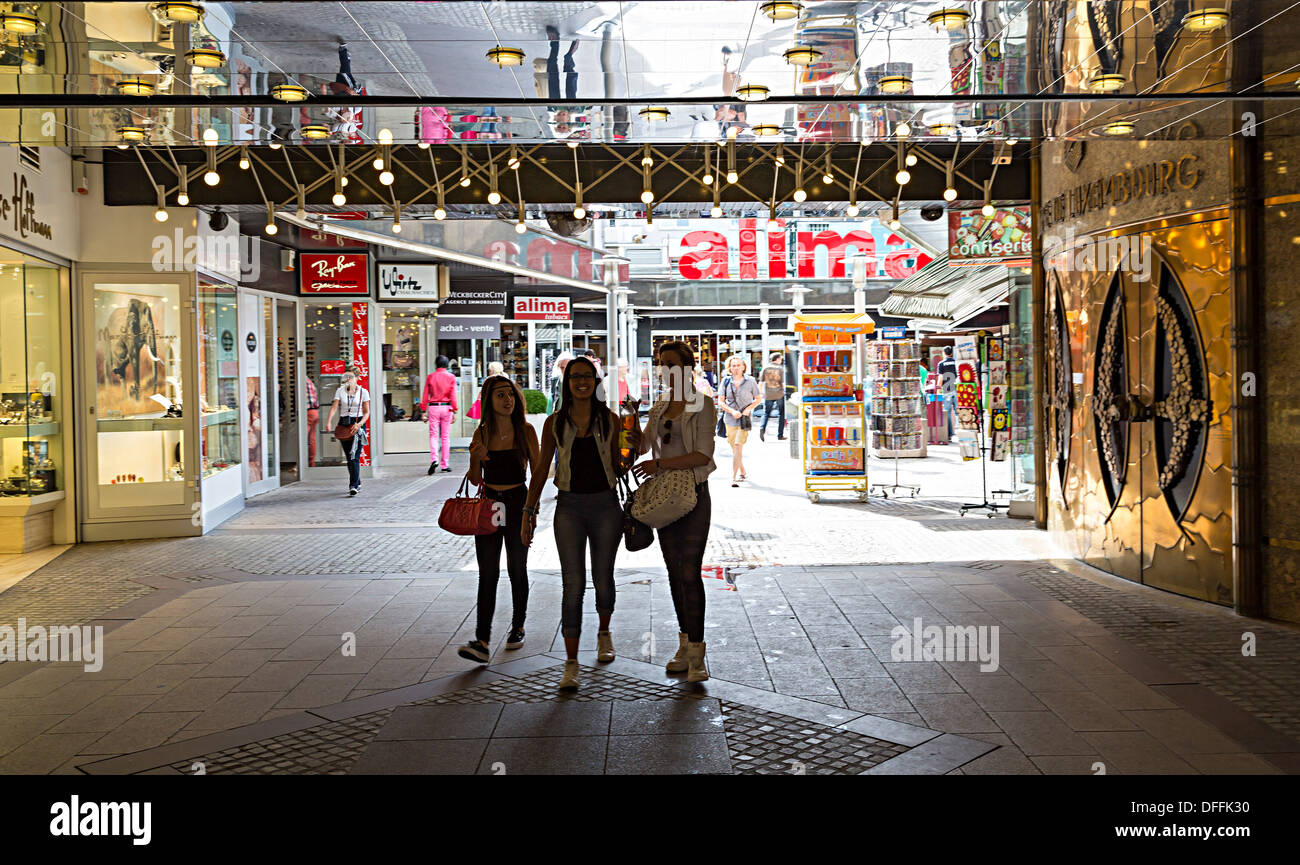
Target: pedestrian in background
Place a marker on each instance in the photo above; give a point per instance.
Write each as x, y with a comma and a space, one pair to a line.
740, 395
557, 378
582, 437
679, 434
439, 403
313, 418
773, 378
501, 452
353, 401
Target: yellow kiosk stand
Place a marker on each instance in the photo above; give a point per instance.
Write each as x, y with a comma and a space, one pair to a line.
832, 408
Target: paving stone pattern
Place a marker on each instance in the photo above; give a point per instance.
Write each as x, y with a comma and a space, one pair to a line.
759, 742
327, 749
1206, 644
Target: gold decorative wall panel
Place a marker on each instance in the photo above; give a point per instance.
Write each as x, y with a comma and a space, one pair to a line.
1145, 485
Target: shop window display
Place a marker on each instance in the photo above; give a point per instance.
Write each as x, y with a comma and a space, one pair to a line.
138, 400
30, 375
328, 349
218, 379
406, 363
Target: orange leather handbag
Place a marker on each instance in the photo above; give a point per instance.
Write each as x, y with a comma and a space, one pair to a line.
463, 514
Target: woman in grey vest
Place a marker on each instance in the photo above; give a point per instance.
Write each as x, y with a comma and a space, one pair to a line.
679, 434
582, 437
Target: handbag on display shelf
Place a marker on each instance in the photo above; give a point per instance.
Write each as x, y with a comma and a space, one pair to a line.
665, 498
636, 534
463, 514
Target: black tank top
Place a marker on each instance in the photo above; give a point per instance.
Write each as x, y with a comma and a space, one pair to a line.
503, 468
586, 471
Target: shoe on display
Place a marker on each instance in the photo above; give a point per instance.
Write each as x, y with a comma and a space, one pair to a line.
433, 467
604, 646
515, 639
569, 681
474, 650
678, 663
696, 670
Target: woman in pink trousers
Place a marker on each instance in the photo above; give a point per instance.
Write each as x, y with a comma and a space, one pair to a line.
439, 403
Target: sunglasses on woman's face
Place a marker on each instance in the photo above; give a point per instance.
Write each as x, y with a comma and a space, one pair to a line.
582, 376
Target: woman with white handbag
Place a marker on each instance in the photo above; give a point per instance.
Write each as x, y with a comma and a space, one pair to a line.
674, 496
582, 437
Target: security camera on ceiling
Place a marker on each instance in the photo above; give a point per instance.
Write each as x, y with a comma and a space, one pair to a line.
218, 220
563, 223
931, 212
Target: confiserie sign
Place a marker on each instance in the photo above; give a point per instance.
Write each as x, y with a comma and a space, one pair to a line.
333, 273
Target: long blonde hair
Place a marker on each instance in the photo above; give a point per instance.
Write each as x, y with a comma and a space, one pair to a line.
744, 364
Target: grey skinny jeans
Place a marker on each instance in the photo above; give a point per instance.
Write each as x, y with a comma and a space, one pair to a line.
581, 518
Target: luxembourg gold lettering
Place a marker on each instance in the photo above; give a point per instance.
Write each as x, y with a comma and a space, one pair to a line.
1188, 175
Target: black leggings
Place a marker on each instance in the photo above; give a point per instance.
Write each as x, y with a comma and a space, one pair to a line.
683, 545
488, 550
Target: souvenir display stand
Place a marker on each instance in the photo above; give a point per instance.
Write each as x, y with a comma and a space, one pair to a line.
898, 424
831, 403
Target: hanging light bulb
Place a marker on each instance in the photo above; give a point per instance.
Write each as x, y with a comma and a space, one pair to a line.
780, 154
708, 168
800, 195
911, 159
378, 163
853, 210
211, 177
902, 176
894, 222
339, 198
243, 157
828, 176
270, 227
513, 162
161, 213
949, 188
902, 130
464, 167
183, 196
397, 217
440, 213
781, 10
274, 145
647, 195
579, 212
987, 210
732, 175
385, 136
520, 226
210, 137
386, 178
494, 195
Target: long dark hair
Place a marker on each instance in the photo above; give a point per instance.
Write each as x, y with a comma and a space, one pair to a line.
488, 420
600, 413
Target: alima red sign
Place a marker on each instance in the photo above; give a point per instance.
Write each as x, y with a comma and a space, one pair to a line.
542, 309
333, 273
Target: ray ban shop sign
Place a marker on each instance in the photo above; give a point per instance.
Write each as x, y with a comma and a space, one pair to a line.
1151, 180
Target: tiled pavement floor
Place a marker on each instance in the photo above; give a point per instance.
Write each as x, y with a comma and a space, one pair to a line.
244, 627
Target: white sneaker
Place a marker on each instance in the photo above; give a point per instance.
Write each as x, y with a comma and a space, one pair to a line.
678, 662
569, 681
604, 646
697, 671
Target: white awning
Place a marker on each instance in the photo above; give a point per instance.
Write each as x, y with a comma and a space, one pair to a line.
942, 295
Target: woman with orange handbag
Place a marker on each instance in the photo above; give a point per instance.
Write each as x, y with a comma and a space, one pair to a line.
503, 449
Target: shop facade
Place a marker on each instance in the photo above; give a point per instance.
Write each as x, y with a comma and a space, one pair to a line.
39, 243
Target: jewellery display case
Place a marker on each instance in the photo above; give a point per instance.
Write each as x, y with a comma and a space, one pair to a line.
30, 378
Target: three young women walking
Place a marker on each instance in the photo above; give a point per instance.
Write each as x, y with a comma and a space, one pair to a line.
679, 434
502, 452
582, 438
